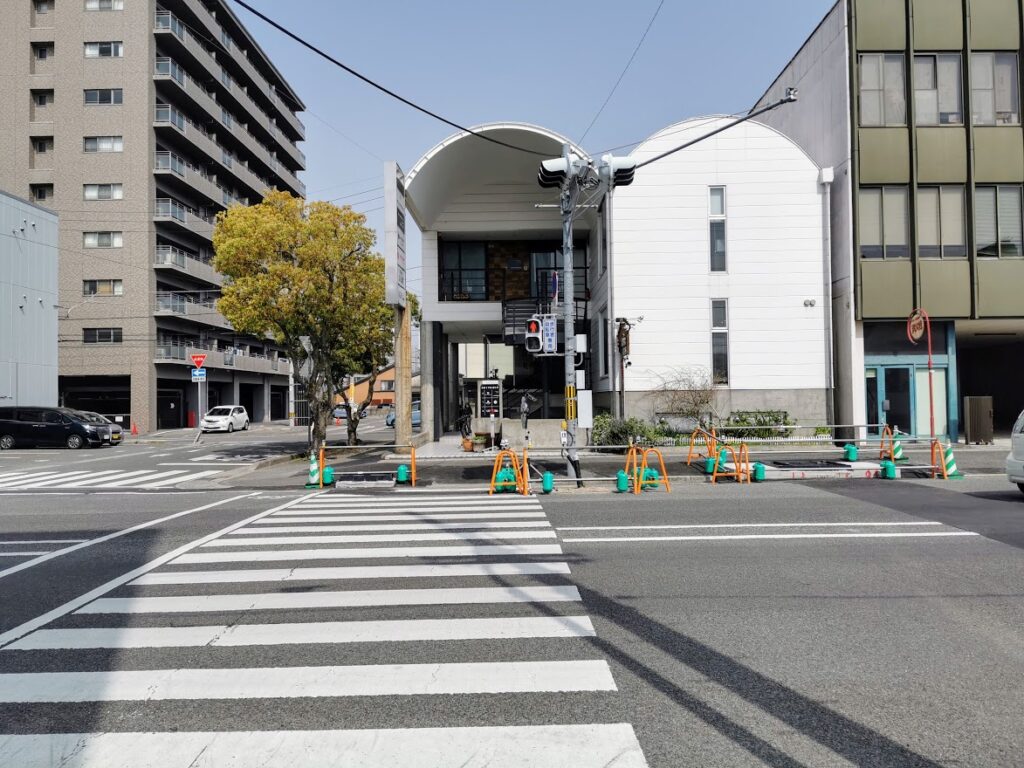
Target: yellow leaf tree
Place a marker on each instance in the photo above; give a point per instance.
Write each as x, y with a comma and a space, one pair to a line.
294, 269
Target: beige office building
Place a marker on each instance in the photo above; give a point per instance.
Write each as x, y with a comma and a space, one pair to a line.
137, 121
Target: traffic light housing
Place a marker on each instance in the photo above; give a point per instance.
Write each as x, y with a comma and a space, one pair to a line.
534, 335
554, 172
618, 171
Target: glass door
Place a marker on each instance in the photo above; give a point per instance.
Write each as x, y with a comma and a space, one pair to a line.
897, 397
873, 411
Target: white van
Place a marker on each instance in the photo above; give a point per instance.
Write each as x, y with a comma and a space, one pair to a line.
1015, 461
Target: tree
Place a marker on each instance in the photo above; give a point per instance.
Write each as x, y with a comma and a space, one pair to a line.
294, 269
688, 392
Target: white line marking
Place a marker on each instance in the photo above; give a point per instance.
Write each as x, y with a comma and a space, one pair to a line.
141, 481
270, 601
409, 517
359, 553
391, 510
185, 479
231, 635
441, 570
23, 629
529, 746
264, 530
40, 541
60, 478
109, 474
308, 682
734, 525
197, 463
747, 537
20, 554
21, 481
519, 501
380, 538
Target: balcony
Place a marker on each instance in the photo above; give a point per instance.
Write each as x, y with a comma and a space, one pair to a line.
167, 70
176, 36
181, 354
183, 262
170, 304
172, 211
179, 172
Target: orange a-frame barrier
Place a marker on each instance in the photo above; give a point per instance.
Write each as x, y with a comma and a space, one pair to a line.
710, 442
740, 464
517, 468
638, 479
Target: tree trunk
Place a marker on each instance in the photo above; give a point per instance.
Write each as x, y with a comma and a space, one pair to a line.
352, 427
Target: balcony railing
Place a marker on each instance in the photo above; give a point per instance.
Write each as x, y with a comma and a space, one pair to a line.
165, 113
172, 69
167, 20
168, 161
171, 256
179, 350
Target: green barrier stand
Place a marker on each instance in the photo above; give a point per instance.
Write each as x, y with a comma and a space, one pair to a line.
621, 482
850, 452
888, 470
759, 471
328, 475
709, 465
506, 480
402, 475
547, 484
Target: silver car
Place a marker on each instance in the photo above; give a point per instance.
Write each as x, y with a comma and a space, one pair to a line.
1015, 459
225, 418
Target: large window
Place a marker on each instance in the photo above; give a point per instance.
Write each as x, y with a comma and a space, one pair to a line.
102, 239
102, 144
103, 96
883, 99
102, 191
720, 341
995, 98
883, 223
716, 227
101, 335
938, 95
102, 288
463, 272
104, 5
997, 221
940, 222
106, 50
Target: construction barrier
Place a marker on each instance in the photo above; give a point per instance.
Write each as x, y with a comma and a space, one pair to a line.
507, 472
740, 463
886, 449
710, 442
648, 477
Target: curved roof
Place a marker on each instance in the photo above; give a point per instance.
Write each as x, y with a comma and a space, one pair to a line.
463, 162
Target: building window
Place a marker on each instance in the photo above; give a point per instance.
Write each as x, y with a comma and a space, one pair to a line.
41, 192
719, 341
103, 191
104, 96
940, 222
716, 215
463, 272
42, 51
104, 5
43, 6
42, 98
102, 144
883, 98
884, 223
111, 50
102, 288
101, 335
42, 145
386, 386
997, 221
995, 96
938, 98
102, 239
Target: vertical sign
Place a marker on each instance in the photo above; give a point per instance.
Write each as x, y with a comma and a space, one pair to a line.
549, 334
394, 234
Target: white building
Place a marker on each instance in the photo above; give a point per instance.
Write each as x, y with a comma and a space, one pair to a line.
720, 248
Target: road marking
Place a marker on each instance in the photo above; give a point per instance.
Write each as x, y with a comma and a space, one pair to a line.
69, 606
40, 541
429, 526
188, 478
20, 554
60, 478
359, 553
380, 538
445, 570
144, 480
751, 536
379, 501
734, 525
233, 635
271, 601
29, 479
391, 510
308, 682
521, 746
101, 478
197, 463
301, 517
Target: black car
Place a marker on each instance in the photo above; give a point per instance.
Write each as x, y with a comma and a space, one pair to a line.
25, 426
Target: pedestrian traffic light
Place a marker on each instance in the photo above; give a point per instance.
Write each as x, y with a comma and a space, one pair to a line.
618, 171
534, 340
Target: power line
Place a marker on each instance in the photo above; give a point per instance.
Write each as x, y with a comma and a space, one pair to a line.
349, 183
689, 125
380, 87
623, 73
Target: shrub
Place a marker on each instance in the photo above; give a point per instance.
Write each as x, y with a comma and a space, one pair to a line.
609, 431
761, 424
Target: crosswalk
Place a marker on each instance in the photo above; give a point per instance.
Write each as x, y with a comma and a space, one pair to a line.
425, 630
109, 478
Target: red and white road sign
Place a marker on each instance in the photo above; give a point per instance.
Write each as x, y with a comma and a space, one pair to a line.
198, 360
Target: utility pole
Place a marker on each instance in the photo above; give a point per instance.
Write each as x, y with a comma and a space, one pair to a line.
568, 198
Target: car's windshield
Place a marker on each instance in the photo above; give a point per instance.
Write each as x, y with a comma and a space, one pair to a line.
220, 411
88, 417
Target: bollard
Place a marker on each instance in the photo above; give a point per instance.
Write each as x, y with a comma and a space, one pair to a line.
621, 482
402, 474
547, 484
328, 475
709, 465
313, 480
888, 470
759, 472
850, 452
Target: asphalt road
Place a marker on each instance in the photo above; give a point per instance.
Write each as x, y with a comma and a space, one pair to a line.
861, 623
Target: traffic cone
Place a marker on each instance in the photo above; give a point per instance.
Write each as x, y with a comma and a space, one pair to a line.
135, 430
949, 462
313, 481
897, 448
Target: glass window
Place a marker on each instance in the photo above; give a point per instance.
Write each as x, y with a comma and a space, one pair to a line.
101, 335
940, 222
104, 5
103, 96
107, 50
938, 96
994, 90
463, 272
718, 313
716, 228
102, 239
102, 288
883, 226
103, 144
719, 341
997, 221
882, 89
43, 6
103, 191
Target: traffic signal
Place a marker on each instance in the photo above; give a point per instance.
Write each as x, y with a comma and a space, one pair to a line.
534, 340
553, 172
618, 171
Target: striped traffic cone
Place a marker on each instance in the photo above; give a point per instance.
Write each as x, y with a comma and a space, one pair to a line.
897, 448
313, 481
949, 462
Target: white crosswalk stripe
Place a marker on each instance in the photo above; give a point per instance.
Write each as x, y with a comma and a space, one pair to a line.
384, 618
107, 478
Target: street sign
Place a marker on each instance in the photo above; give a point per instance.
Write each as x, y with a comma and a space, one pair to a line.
394, 235
198, 360
915, 325
549, 334
198, 374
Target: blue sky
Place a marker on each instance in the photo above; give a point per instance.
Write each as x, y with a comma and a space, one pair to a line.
550, 63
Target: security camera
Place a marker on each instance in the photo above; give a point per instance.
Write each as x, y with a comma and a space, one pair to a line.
791, 94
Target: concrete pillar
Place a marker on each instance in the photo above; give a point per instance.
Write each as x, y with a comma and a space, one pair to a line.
265, 416
235, 391
427, 364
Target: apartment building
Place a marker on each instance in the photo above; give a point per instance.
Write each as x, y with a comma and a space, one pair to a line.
137, 121
916, 105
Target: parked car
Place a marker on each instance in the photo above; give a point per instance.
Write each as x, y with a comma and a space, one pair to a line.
116, 433
341, 412
225, 418
417, 418
26, 426
1015, 460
